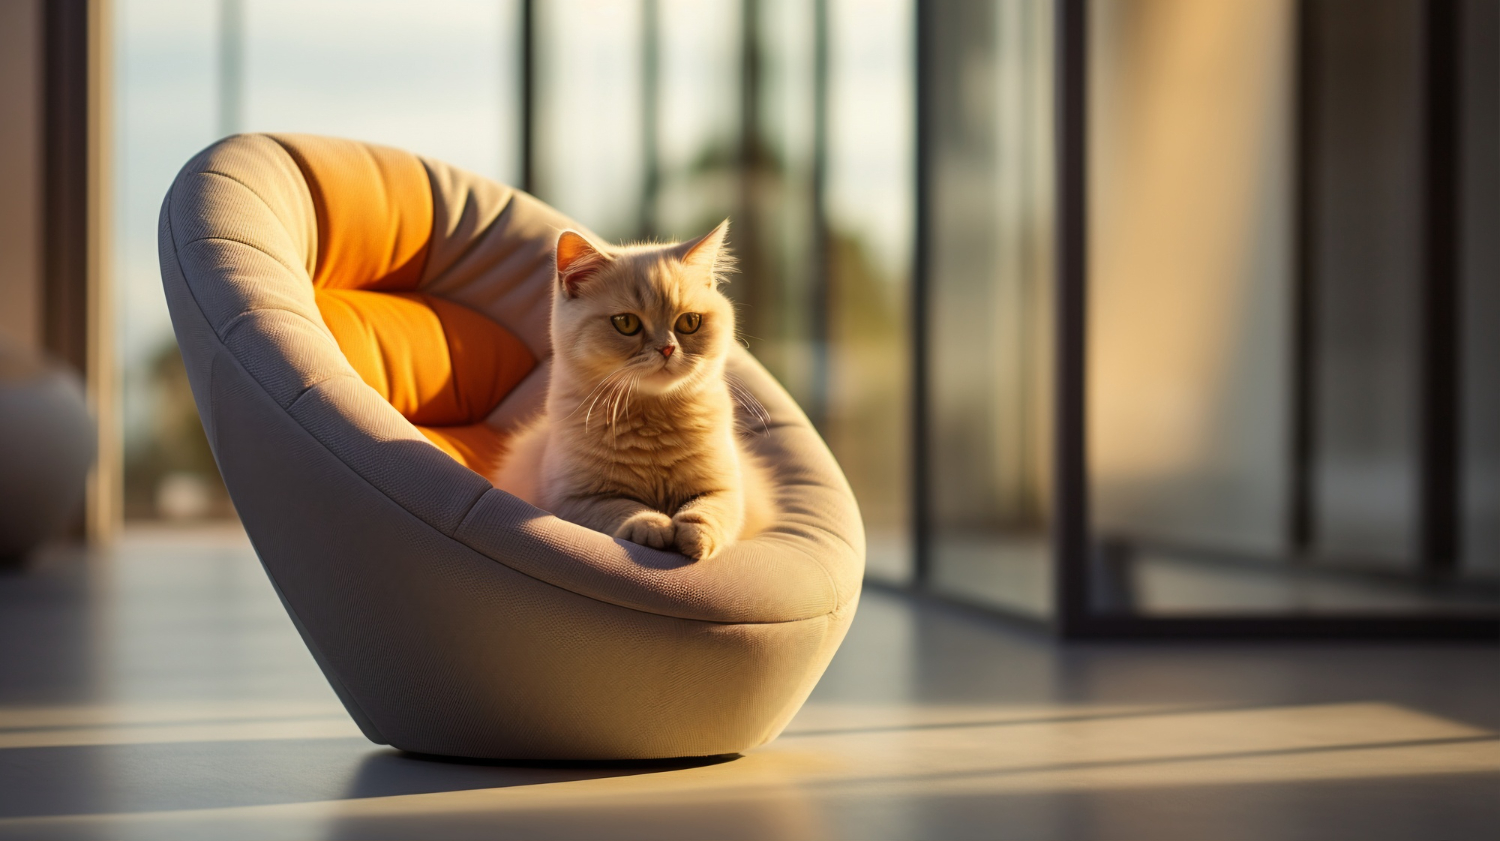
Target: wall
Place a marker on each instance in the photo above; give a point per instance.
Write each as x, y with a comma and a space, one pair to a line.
20, 172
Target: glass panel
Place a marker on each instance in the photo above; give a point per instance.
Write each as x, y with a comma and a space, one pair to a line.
780, 329
1191, 271
439, 77
165, 102
589, 130
697, 123
990, 289
870, 216
1202, 334
1190, 290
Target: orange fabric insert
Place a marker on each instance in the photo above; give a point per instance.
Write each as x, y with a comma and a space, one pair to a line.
476, 446
443, 366
439, 363
374, 208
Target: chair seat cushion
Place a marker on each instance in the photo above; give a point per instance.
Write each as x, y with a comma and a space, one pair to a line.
437, 362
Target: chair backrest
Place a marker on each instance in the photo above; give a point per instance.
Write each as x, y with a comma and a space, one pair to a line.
443, 365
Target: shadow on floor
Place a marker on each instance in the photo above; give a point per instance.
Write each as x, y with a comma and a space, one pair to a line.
103, 779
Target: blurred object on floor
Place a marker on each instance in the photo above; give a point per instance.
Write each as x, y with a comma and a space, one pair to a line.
47, 446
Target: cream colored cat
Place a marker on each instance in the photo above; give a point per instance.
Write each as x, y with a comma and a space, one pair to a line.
638, 436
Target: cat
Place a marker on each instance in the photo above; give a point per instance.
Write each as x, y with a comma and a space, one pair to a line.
637, 438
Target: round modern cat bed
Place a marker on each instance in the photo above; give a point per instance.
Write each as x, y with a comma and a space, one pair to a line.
361, 327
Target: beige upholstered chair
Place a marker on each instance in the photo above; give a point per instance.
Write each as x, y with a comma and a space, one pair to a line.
360, 326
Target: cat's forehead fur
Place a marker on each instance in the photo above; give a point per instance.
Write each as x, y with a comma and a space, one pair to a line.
651, 278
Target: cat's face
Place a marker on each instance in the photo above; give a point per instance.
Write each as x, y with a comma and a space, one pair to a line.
649, 315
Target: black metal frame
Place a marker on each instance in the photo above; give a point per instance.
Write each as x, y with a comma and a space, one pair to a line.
1438, 494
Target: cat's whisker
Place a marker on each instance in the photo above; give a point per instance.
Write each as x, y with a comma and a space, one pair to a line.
599, 393
611, 402
614, 409
593, 392
620, 391
604, 388
630, 393
749, 402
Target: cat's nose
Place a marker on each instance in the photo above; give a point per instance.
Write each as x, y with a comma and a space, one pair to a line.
666, 350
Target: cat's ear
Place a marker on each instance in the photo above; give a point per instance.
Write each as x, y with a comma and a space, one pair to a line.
709, 252
577, 261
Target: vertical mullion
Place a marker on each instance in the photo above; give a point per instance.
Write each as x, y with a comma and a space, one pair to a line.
1438, 517
759, 292
66, 178
821, 262
528, 96
1070, 509
231, 66
650, 116
926, 128
78, 315
1304, 293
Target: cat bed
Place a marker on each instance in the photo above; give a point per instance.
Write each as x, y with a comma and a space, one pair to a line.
361, 327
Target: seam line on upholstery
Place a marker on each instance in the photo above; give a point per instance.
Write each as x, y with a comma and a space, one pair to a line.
458, 396
308, 389
244, 315
249, 188
295, 270
469, 512
431, 222
474, 242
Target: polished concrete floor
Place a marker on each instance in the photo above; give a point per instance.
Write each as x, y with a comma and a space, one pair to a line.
158, 691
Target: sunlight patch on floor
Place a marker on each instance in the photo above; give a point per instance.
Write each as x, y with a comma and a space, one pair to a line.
140, 723
906, 751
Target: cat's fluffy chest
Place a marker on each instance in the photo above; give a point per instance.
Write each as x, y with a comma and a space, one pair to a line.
661, 455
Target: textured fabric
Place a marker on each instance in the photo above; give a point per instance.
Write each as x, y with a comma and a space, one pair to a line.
452, 617
374, 212
439, 363
477, 446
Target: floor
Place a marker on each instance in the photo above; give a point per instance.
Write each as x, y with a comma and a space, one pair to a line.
158, 691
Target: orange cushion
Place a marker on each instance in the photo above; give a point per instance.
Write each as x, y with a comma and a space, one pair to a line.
443, 366
439, 363
374, 209
477, 446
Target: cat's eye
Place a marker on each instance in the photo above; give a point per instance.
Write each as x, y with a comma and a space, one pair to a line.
688, 322
626, 323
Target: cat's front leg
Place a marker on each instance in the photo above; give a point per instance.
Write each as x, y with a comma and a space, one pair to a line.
708, 524
626, 519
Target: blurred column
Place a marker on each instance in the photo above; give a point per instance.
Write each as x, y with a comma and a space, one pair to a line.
21, 91
987, 123
231, 67
1365, 149
78, 311
1479, 285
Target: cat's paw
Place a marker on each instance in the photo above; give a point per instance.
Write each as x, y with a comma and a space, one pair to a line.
648, 528
699, 536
